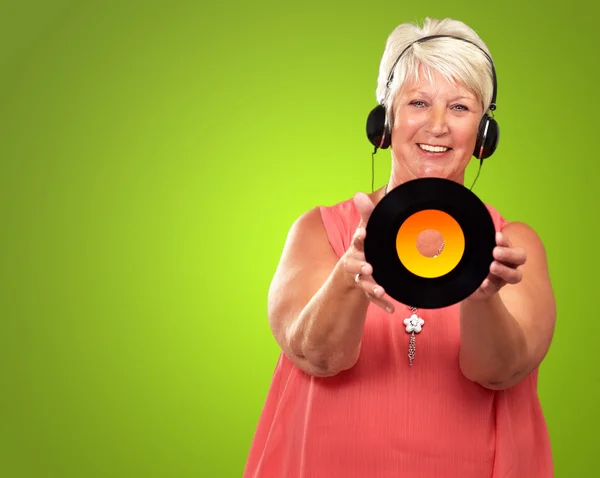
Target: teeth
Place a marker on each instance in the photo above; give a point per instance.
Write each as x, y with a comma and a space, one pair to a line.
433, 149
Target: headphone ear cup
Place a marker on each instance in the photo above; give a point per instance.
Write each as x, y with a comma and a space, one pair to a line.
488, 136
377, 132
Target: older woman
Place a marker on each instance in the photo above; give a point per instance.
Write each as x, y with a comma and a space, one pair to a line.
345, 401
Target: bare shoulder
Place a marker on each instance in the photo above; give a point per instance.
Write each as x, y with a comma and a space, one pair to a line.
521, 229
309, 222
522, 235
307, 237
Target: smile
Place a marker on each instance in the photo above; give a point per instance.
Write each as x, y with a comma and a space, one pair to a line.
433, 149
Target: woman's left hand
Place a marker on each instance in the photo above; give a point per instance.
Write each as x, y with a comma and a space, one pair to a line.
503, 270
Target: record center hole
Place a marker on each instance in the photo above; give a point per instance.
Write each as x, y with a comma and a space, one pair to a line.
429, 242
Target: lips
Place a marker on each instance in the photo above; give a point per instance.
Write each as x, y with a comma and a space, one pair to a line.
433, 150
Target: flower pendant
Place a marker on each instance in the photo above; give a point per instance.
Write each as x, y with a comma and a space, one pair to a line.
414, 325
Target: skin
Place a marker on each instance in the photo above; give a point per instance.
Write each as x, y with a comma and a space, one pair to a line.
317, 310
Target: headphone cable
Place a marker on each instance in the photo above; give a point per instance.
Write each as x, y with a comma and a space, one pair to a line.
478, 171
373, 171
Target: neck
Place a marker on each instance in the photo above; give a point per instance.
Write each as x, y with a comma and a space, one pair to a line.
400, 175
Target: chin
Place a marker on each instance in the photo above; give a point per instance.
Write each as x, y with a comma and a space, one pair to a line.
433, 171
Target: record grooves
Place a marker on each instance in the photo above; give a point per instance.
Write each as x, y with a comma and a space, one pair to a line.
463, 264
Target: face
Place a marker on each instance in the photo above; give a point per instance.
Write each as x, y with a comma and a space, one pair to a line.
435, 129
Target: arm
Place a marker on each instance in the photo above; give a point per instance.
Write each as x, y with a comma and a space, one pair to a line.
506, 331
316, 310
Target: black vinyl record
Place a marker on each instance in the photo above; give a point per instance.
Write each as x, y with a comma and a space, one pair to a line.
475, 242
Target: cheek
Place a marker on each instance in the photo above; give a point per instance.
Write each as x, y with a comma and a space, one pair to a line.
405, 129
465, 136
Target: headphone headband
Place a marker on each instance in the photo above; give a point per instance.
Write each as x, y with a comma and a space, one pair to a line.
420, 40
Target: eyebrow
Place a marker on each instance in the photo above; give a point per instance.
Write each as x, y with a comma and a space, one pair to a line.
463, 97
424, 93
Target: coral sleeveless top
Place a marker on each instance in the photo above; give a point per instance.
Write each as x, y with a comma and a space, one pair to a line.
384, 419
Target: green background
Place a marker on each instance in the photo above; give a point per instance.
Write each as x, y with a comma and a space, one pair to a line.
153, 157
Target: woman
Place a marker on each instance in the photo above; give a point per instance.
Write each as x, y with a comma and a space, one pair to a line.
345, 401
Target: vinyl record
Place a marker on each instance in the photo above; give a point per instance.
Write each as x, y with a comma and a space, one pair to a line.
463, 264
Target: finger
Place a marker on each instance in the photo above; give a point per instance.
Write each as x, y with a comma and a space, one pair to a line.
502, 240
358, 240
495, 282
384, 304
489, 286
370, 287
357, 265
377, 295
509, 255
365, 207
510, 275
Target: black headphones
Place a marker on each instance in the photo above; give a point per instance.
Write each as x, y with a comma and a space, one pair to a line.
488, 134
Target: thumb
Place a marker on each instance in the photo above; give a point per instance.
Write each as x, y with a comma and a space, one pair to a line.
365, 207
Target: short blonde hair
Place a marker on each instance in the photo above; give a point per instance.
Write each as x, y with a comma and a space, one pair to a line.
458, 61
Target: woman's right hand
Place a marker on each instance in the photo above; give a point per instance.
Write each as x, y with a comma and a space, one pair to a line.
354, 261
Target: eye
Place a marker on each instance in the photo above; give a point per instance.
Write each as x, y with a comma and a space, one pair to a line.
462, 107
418, 103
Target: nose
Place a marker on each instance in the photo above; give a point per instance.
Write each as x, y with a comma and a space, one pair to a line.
437, 124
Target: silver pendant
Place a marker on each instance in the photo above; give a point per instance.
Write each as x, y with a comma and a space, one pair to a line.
414, 325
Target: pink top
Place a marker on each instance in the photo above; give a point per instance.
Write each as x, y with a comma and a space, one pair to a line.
384, 419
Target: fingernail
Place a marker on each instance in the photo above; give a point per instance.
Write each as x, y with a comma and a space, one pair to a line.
364, 268
376, 290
